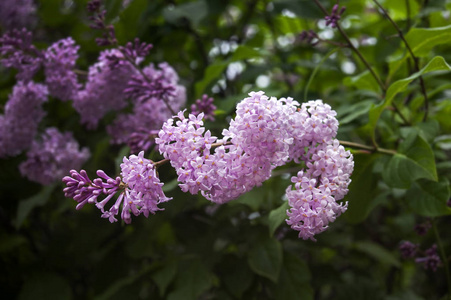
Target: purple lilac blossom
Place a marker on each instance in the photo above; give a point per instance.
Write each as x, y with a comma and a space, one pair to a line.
431, 261
17, 13
140, 189
149, 115
255, 143
329, 167
153, 83
103, 91
205, 105
18, 52
23, 113
59, 65
53, 156
408, 249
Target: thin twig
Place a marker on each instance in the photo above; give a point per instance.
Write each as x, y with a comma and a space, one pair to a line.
414, 58
369, 148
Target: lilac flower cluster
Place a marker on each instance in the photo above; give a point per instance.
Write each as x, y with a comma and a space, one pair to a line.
255, 143
205, 105
429, 258
140, 190
59, 65
313, 202
138, 129
22, 115
16, 13
103, 92
335, 16
52, 157
18, 52
265, 133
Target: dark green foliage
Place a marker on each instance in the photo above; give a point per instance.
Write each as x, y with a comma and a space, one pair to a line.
244, 250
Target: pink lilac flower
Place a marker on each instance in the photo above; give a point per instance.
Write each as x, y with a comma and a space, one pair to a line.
59, 65
313, 202
205, 105
241, 161
22, 115
17, 13
18, 52
52, 156
140, 190
103, 91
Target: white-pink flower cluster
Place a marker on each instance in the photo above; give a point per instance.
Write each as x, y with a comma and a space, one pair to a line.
266, 133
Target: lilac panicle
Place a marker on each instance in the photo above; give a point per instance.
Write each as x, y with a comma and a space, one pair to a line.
431, 260
205, 105
52, 156
140, 190
149, 115
18, 52
22, 115
335, 15
16, 14
59, 65
103, 92
408, 249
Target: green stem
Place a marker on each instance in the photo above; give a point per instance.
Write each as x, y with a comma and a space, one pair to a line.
444, 258
307, 86
369, 148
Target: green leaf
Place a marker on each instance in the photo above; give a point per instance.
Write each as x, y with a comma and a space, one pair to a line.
165, 276
195, 12
378, 252
212, 72
362, 188
244, 52
302, 8
265, 258
277, 216
294, 279
352, 112
428, 198
27, 205
415, 160
47, 286
363, 81
121, 283
238, 279
422, 40
436, 64
193, 278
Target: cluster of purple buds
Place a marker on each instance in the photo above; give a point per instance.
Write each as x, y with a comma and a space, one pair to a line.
423, 228
335, 15
98, 22
206, 106
142, 87
140, 190
309, 36
429, 258
18, 52
136, 51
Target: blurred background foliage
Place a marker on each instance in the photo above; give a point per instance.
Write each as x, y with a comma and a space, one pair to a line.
244, 250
